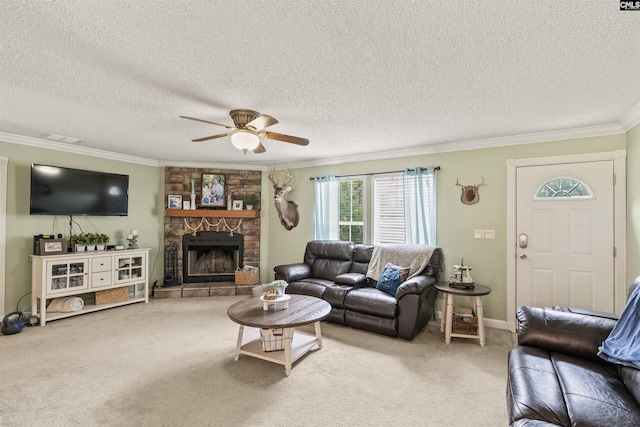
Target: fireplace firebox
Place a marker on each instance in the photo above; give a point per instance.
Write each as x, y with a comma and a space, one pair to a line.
211, 256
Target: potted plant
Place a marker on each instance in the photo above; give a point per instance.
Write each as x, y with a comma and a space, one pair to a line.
103, 239
78, 242
249, 201
92, 240
279, 286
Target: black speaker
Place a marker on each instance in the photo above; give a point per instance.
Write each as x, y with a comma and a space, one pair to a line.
36, 241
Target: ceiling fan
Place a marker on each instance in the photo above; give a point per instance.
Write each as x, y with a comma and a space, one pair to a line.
249, 127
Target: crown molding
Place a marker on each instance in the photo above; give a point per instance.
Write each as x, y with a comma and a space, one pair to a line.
631, 119
199, 165
474, 144
42, 143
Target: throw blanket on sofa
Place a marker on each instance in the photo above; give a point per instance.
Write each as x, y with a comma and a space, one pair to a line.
623, 343
416, 257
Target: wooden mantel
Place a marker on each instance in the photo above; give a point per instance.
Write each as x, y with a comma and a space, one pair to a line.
212, 213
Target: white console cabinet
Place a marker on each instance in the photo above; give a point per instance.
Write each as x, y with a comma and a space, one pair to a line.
82, 274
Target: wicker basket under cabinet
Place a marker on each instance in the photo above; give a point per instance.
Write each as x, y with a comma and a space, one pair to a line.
112, 295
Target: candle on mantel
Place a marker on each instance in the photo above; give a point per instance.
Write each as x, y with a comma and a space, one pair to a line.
129, 237
193, 191
134, 232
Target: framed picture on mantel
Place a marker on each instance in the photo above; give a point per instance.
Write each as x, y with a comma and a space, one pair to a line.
213, 194
174, 201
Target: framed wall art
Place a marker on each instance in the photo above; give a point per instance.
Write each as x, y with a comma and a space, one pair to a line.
213, 191
174, 201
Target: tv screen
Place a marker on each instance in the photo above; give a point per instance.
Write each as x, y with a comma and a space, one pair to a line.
63, 191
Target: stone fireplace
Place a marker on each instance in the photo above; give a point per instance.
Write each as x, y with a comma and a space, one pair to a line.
204, 264
211, 256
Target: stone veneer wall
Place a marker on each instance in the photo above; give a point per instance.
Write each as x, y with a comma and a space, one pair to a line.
238, 183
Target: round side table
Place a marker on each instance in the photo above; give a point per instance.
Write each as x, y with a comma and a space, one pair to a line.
446, 322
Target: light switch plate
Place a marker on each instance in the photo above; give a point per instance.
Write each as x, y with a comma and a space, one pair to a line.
489, 234
478, 234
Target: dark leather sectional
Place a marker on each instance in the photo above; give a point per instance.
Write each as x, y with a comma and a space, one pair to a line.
555, 376
336, 272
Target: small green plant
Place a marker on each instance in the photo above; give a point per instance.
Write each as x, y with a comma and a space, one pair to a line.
92, 238
78, 239
279, 284
249, 199
103, 239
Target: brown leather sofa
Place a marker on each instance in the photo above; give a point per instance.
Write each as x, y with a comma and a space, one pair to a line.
336, 272
556, 377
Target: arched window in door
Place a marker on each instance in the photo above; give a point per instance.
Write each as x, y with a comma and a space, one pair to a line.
564, 188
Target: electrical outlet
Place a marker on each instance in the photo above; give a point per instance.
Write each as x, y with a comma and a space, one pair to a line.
489, 234
478, 234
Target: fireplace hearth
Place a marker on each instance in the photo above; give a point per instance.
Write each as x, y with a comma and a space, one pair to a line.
211, 256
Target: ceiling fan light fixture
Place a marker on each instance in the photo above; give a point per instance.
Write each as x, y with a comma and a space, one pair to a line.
245, 140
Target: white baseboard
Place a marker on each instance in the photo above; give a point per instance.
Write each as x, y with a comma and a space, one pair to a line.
488, 323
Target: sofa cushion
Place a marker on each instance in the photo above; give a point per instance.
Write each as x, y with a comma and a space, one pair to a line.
335, 295
533, 390
631, 379
380, 325
361, 258
594, 394
391, 277
371, 301
567, 390
310, 287
329, 258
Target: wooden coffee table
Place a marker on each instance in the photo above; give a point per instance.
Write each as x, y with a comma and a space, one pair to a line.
302, 310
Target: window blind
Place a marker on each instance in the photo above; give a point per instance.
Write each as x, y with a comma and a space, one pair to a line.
388, 209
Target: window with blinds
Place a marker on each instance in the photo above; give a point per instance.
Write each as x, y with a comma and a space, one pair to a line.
388, 209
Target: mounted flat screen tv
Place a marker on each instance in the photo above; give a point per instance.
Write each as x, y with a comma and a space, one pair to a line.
64, 191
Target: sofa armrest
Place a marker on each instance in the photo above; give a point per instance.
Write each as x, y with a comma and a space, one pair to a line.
351, 279
292, 272
565, 332
416, 285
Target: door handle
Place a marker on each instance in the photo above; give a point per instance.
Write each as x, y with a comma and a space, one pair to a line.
523, 256
523, 241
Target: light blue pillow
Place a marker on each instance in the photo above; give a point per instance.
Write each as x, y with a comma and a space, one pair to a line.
391, 278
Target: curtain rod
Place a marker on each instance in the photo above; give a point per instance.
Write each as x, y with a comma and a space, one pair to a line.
372, 173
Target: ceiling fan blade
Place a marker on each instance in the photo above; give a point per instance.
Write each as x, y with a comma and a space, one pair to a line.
206, 138
207, 121
261, 122
284, 138
259, 149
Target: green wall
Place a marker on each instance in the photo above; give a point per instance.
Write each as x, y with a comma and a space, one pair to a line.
456, 221
144, 185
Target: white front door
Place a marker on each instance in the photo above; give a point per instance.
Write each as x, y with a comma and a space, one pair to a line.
565, 235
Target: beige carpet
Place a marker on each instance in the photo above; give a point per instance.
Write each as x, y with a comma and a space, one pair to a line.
170, 363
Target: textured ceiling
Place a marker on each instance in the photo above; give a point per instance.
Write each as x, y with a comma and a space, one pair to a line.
355, 77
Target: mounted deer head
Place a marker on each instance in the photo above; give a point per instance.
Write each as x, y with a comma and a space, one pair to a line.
287, 210
470, 193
